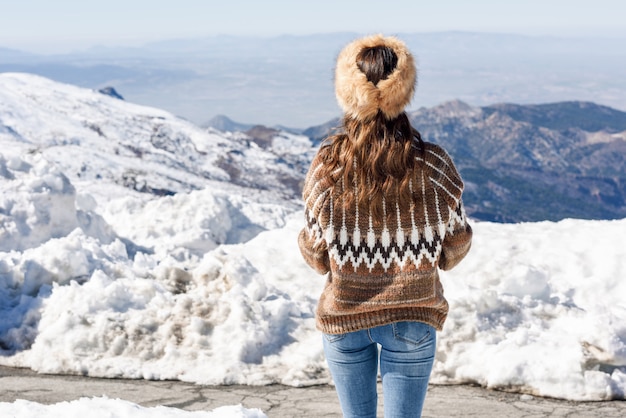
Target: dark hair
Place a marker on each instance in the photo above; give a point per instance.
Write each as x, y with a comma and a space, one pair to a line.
377, 62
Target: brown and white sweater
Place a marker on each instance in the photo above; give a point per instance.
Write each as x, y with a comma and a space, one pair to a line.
386, 273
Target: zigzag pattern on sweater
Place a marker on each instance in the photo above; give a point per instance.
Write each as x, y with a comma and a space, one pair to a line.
389, 248
398, 251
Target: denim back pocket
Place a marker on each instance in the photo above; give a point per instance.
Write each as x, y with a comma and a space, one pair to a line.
415, 333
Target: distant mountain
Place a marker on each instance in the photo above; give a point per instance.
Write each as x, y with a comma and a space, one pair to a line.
318, 133
586, 116
225, 124
10, 55
531, 163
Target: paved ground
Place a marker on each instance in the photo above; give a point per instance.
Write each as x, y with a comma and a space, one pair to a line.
283, 401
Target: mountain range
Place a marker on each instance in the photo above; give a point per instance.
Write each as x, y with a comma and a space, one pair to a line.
529, 162
534, 162
519, 162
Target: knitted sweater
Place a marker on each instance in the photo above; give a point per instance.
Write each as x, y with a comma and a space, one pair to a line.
379, 274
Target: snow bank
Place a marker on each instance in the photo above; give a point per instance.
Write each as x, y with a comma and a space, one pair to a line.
539, 308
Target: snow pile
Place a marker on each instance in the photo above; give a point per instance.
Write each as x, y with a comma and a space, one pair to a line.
37, 203
539, 308
79, 302
105, 408
208, 286
196, 222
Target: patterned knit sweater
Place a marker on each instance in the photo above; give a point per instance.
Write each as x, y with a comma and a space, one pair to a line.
379, 274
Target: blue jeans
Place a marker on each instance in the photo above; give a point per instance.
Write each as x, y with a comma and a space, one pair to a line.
407, 354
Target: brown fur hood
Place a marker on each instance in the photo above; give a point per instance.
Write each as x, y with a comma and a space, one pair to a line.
361, 99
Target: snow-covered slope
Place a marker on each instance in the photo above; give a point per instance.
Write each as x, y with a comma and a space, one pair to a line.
114, 158
207, 285
92, 136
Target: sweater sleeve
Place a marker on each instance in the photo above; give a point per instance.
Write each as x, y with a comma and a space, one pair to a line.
458, 236
457, 241
311, 240
314, 253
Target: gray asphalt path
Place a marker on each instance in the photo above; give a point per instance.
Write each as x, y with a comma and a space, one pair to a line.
284, 401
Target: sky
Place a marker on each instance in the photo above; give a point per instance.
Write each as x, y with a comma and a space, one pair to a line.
45, 26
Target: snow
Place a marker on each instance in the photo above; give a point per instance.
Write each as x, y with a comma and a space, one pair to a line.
208, 286
106, 408
539, 308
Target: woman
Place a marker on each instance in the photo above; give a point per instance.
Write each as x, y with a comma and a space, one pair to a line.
383, 213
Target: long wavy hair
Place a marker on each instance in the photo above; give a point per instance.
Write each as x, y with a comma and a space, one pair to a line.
373, 158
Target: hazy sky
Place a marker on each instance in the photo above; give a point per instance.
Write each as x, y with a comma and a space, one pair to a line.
64, 25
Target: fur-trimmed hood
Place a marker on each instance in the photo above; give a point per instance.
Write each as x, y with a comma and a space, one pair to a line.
361, 99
